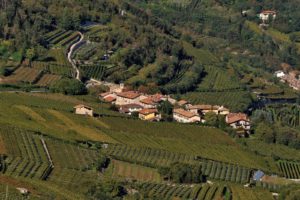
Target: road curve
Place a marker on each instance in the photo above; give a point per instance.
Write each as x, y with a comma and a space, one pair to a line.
70, 53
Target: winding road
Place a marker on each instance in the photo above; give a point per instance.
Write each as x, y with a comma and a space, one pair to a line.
70, 53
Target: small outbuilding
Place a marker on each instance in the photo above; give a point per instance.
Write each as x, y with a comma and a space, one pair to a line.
83, 110
257, 176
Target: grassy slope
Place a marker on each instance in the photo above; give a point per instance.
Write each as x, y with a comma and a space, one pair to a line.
53, 117
120, 169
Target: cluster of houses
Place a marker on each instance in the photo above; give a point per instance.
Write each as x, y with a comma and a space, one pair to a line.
146, 108
292, 78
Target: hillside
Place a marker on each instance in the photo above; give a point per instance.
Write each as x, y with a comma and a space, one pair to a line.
139, 99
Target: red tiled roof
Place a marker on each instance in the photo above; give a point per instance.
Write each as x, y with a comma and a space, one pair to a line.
129, 94
148, 111
110, 99
184, 113
104, 94
201, 107
235, 117
148, 101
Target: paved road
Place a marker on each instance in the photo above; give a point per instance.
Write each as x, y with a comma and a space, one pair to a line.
70, 53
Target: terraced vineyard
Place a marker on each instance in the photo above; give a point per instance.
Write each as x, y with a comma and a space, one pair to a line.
155, 157
26, 154
73, 165
241, 193
61, 38
289, 169
24, 74
47, 80
229, 99
225, 172
168, 191
53, 68
135, 172
93, 71
147, 156
217, 80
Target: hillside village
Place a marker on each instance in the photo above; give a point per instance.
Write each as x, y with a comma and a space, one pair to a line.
146, 107
138, 100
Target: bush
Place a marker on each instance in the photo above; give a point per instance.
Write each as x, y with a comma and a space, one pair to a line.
69, 87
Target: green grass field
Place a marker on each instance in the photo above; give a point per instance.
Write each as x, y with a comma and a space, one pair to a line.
126, 170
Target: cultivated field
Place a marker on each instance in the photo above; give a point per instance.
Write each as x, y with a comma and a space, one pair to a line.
289, 169
127, 170
23, 74
173, 191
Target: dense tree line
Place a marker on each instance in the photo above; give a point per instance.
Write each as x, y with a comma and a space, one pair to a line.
278, 126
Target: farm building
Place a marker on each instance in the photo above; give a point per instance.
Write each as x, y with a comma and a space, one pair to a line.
184, 116
149, 114
203, 109
238, 121
129, 97
83, 110
279, 74
130, 108
267, 14
223, 111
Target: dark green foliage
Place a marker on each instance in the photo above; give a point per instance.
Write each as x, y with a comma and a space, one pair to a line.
69, 87
102, 162
265, 132
183, 173
166, 109
106, 190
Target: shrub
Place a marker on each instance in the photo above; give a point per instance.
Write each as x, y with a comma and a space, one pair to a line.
69, 87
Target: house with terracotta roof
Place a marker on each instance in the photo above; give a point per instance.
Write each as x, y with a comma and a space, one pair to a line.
149, 114
265, 15
184, 116
107, 97
238, 121
200, 109
130, 97
130, 108
148, 103
110, 99
203, 109
152, 101
83, 110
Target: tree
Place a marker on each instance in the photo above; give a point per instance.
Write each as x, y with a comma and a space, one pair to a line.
102, 162
30, 54
183, 173
166, 109
265, 132
211, 119
69, 87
